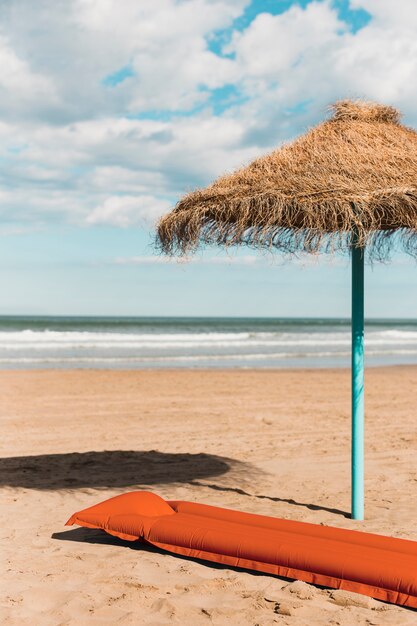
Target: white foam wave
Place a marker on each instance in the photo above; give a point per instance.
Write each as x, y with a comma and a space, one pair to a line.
48, 340
197, 358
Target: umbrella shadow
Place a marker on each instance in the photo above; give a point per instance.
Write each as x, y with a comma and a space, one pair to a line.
111, 469
132, 468
242, 492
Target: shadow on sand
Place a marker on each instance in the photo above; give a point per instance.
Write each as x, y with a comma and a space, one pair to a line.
110, 469
133, 469
92, 535
311, 507
95, 536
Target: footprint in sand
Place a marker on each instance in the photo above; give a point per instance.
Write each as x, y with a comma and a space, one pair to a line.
164, 607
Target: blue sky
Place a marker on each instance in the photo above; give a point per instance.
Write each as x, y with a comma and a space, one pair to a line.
107, 117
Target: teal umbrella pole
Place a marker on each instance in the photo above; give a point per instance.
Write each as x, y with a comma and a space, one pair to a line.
358, 417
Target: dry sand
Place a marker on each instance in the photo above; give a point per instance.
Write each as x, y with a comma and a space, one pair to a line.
271, 442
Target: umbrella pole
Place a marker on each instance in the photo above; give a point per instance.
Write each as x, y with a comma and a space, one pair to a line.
357, 382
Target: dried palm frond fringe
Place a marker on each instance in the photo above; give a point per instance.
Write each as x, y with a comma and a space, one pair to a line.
354, 175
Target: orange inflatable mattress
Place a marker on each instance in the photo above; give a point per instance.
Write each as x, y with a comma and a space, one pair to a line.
378, 566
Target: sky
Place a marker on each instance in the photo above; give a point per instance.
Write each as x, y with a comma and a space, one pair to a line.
110, 112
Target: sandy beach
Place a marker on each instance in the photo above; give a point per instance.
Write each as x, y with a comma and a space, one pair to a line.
270, 442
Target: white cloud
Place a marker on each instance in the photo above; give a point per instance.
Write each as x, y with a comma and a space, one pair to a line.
221, 260
75, 149
75, 44
128, 210
401, 14
310, 55
21, 88
273, 44
8, 230
89, 171
264, 258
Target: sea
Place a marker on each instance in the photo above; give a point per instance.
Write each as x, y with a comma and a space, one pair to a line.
180, 342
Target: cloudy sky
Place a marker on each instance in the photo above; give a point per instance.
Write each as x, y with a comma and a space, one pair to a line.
109, 111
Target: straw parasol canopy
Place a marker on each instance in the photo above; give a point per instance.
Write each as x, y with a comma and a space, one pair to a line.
351, 179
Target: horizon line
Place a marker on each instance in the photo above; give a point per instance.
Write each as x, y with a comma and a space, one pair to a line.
193, 317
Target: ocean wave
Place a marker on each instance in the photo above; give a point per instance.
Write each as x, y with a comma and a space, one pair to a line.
215, 346
33, 336
61, 340
201, 357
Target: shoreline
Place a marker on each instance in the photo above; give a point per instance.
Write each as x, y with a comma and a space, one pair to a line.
199, 343
205, 369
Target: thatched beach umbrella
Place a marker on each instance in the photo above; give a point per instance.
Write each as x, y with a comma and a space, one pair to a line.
349, 184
